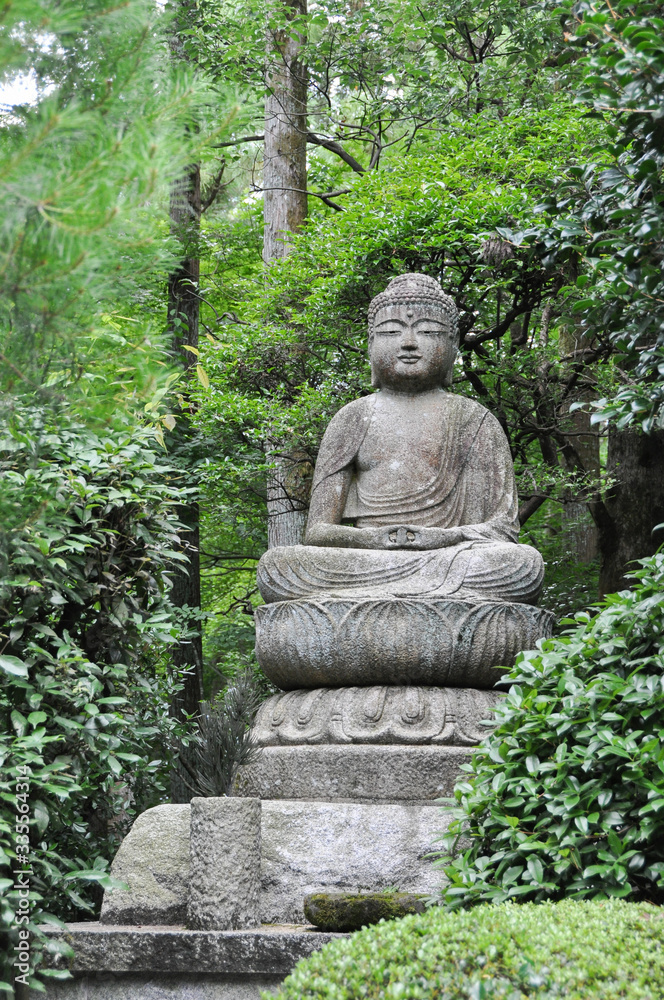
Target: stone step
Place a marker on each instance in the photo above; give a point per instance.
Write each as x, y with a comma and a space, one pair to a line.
353, 773
160, 963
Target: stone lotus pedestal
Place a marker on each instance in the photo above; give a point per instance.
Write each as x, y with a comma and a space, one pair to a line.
384, 700
384, 697
336, 641
379, 744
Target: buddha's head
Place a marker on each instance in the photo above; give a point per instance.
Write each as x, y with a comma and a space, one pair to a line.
413, 335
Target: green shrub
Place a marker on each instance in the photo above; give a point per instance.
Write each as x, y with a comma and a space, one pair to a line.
566, 795
208, 765
88, 534
579, 951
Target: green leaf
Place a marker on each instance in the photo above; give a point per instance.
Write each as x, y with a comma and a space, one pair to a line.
535, 869
13, 666
41, 815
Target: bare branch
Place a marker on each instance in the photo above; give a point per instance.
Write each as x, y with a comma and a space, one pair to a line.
528, 508
324, 196
334, 147
238, 142
315, 140
214, 187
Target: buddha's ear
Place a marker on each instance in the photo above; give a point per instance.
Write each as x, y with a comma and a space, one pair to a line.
447, 381
375, 384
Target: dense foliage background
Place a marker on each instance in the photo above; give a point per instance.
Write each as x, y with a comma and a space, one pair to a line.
153, 376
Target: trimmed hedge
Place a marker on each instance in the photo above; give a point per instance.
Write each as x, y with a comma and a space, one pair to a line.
572, 950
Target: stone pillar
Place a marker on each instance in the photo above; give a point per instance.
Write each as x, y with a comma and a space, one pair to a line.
225, 846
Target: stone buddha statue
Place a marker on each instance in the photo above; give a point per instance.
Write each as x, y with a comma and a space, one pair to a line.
413, 493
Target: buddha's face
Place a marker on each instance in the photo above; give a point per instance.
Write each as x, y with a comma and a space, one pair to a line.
412, 348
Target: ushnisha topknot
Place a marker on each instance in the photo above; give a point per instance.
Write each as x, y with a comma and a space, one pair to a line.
416, 288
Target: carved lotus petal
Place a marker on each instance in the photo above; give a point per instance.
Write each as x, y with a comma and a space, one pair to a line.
337, 642
384, 714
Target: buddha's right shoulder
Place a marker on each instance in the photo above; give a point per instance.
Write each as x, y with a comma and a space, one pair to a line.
356, 412
343, 437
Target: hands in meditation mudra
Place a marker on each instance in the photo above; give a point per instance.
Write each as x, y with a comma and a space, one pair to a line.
413, 493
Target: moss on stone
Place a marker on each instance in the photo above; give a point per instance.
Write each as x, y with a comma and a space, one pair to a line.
343, 911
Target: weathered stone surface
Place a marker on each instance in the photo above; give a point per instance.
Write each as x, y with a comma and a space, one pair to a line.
174, 986
353, 773
386, 714
489, 571
331, 642
311, 847
344, 911
306, 847
224, 888
266, 951
153, 860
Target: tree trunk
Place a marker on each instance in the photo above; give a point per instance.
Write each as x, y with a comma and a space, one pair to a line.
183, 296
634, 506
287, 500
581, 454
183, 318
284, 211
580, 536
285, 150
183, 315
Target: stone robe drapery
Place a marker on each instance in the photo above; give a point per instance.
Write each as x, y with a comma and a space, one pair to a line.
473, 488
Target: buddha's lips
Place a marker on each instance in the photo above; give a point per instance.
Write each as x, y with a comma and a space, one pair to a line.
409, 359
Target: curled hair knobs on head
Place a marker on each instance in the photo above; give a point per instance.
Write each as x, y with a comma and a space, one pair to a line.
418, 289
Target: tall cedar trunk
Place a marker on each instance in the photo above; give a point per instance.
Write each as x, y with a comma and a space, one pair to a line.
580, 535
284, 211
183, 314
580, 454
635, 504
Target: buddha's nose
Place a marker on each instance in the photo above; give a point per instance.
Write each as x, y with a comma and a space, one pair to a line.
409, 340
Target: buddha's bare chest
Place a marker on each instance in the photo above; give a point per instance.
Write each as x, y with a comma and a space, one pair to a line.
401, 449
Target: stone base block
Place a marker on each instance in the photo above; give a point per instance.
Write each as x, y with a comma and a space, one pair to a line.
353, 773
225, 876
172, 986
306, 847
311, 847
153, 860
335, 642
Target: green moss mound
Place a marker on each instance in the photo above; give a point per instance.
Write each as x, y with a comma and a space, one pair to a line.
345, 911
573, 950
